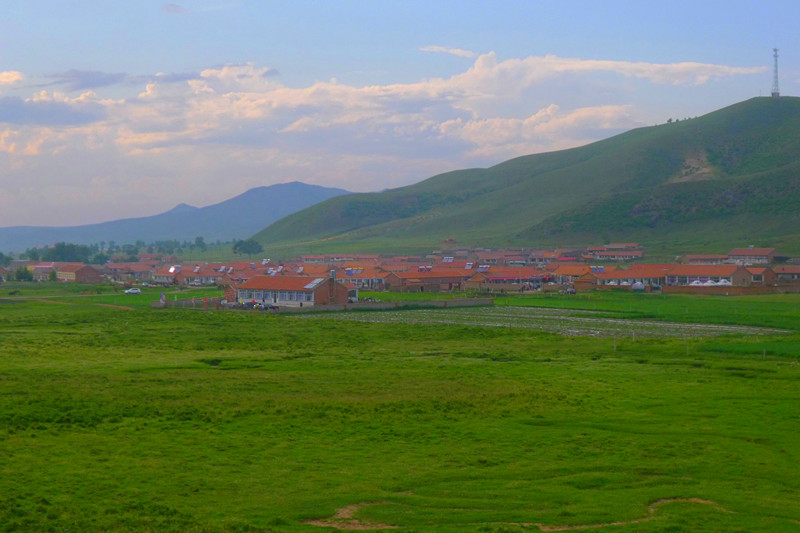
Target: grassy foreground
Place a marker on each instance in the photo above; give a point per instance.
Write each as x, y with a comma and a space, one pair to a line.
136, 420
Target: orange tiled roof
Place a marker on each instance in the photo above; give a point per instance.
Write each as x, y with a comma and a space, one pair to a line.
70, 267
514, 272
572, 270
702, 270
647, 271
752, 251
282, 283
689, 257
435, 273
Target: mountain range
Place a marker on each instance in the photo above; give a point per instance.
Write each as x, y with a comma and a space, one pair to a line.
728, 178
236, 218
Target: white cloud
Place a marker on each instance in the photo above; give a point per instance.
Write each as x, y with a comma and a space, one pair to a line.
547, 129
10, 77
229, 128
444, 50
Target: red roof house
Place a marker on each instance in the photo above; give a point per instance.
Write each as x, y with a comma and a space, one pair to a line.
291, 291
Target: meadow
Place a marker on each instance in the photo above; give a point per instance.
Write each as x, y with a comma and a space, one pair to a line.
121, 418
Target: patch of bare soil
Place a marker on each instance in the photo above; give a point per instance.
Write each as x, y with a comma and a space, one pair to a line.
118, 306
694, 168
651, 512
45, 300
344, 519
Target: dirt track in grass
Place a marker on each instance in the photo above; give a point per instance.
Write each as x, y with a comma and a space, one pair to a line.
344, 518
561, 321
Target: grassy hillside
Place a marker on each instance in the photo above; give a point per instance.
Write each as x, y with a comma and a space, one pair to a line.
731, 169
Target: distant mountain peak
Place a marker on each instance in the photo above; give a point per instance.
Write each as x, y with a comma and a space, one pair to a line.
182, 208
235, 218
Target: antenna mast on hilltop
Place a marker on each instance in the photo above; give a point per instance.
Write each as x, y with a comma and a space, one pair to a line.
776, 92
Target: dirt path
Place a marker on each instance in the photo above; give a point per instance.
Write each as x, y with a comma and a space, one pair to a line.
48, 300
343, 519
118, 306
651, 513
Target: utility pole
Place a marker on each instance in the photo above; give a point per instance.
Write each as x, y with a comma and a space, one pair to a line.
776, 92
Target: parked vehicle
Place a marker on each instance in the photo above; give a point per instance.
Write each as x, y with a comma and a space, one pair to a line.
134, 290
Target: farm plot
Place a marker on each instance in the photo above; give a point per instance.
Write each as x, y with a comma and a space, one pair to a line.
561, 321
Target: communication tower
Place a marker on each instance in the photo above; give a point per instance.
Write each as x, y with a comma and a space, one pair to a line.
776, 92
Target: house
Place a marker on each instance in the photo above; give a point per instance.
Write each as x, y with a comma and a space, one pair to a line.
787, 273
708, 275
166, 275
362, 277
761, 276
77, 273
499, 258
291, 291
540, 258
752, 256
42, 271
136, 271
397, 265
628, 251
638, 276
508, 278
199, 275
617, 255
704, 259
569, 274
427, 279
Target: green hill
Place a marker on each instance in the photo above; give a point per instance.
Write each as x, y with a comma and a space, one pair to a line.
727, 178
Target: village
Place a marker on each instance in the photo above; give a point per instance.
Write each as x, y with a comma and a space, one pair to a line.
336, 279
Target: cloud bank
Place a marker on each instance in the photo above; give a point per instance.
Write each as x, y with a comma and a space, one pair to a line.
202, 137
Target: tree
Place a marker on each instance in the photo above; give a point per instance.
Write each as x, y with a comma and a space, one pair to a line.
67, 252
200, 243
130, 250
32, 254
4, 259
249, 247
23, 274
53, 276
100, 259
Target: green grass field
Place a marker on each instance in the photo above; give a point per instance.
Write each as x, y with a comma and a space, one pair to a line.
115, 419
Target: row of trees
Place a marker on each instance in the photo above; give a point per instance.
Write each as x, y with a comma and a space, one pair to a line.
101, 252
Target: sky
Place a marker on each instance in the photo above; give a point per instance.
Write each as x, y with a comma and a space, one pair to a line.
119, 109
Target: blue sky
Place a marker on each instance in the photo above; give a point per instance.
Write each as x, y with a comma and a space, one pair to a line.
118, 109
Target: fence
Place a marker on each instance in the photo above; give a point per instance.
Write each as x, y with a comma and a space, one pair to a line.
216, 304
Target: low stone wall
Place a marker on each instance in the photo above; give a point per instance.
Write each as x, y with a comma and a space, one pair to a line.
214, 303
